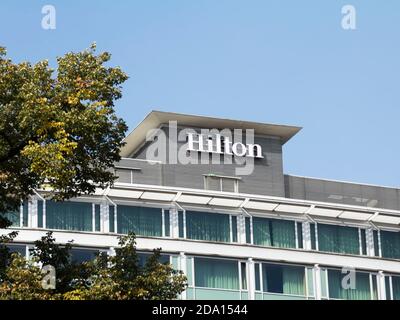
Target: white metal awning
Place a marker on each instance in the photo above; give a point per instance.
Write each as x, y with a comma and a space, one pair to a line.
325, 212
258, 204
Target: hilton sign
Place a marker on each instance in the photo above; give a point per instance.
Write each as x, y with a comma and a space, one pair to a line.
216, 143
226, 146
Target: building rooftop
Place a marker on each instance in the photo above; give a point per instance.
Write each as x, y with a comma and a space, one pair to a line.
156, 118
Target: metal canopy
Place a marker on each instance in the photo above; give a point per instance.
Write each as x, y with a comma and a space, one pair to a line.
253, 203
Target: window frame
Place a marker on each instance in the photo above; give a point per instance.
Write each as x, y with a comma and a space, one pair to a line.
238, 262
306, 288
295, 221
221, 178
370, 279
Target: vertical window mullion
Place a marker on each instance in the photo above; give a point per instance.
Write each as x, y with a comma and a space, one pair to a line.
296, 235
360, 242
251, 230
44, 213
391, 288
115, 219
306, 279
327, 283
379, 243
371, 286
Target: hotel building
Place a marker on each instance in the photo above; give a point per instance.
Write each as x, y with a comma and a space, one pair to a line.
263, 235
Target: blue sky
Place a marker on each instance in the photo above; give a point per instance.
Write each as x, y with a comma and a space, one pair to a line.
278, 61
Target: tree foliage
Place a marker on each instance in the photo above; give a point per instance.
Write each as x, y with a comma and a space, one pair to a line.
120, 277
108, 277
58, 128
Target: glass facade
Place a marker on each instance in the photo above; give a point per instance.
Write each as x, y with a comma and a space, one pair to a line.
79, 255
338, 239
274, 233
218, 278
283, 279
143, 221
344, 286
17, 248
75, 216
216, 273
230, 277
207, 226
144, 256
395, 287
14, 217
390, 244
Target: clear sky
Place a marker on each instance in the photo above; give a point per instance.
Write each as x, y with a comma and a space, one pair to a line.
288, 62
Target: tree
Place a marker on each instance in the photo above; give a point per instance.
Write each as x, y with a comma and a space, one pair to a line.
49, 253
120, 277
115, 277
5, 254
24, 281
58, 128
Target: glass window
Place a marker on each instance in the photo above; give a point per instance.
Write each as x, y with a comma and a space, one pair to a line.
376, 243
13, 217
17, 248
180, 225
310, 281
257, 276
248, 232
225, 184
166, 223
143, 256
207, 226
387, 288
234, 229
300, 234
390, 244
244, 275
363, 242
215, 273
40, 213
111, 217
274, 233
360, 291
313, 238
97, 217
338, 239
143, 221
83, 255
25, 213
396, 287
69, 215
213, 183
374, 287
283, 279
